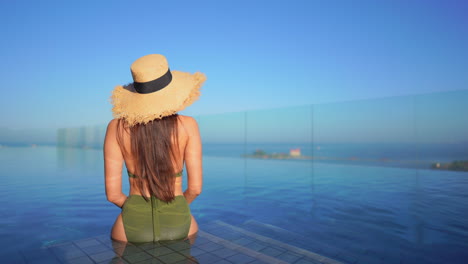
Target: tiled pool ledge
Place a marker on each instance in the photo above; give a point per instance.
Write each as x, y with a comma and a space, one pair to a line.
218, 243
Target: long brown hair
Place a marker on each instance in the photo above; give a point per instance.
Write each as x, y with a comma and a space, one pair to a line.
154, 152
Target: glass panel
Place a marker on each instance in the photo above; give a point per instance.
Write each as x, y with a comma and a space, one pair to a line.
438, 208
279, 154
364, 154
223, 141
442, 127
378, 132
223, 134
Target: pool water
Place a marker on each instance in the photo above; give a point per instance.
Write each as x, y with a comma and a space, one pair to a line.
355, 214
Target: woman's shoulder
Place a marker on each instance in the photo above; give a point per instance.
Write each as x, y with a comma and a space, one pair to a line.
187, 120
114, 124
189, 123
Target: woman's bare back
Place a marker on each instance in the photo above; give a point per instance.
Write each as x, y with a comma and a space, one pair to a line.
178, 164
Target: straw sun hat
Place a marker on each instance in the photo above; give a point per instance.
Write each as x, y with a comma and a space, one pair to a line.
156, 91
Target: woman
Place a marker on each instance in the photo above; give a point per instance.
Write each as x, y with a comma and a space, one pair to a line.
154, 142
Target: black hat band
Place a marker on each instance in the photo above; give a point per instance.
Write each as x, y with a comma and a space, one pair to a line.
154, 85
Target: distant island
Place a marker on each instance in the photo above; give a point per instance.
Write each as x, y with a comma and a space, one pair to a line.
293, 154
296, 154
457, 165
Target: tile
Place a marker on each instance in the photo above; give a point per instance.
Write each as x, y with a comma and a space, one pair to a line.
289, 256
228, 235
272, 251
208, 258
188, 261
67, 252
113, 244
63, 244
148, 246
195, 251
136, 257
256, 246
103, 237
307, 261
240, 258
257, 261
224, 252
308, 245
160, 251
102, 256
131, 249
243, 241
80, 260
212, 228
151, 261
201, 240
44, 261
210, 246
87, 242
179, 246
172, 258
95, 249
115, 260
223, 261
186, 252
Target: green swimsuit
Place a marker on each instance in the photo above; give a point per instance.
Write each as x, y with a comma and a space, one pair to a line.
155, 220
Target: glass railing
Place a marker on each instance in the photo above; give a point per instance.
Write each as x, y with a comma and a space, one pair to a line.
428, 131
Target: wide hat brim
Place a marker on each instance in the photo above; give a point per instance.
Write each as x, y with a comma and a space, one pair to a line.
137, 108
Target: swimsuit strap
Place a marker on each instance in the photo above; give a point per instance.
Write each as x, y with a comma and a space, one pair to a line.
131, 175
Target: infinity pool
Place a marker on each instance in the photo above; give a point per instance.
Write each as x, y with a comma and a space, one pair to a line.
354, 214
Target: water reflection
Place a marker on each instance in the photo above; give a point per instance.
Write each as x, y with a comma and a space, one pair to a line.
154, 252
77, 158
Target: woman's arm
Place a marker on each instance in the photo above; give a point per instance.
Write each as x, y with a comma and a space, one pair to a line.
113, 162
193, 161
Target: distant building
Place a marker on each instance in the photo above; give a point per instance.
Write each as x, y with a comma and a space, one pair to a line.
295, 152
81, 137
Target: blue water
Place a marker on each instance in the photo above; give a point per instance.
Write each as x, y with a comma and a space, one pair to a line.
411, 155
52, 195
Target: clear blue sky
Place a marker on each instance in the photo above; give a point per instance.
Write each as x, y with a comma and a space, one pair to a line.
61, 59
